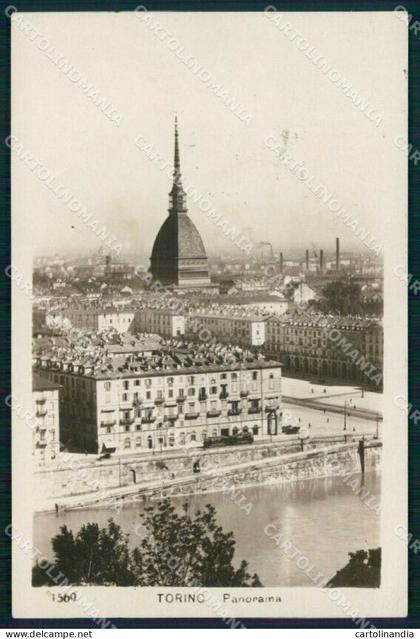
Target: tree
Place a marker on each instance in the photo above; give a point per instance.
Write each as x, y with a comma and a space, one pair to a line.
175, 550
182, 550
95, 555
362, 571
342, 296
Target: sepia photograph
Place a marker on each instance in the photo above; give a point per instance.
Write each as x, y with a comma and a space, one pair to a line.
209, 397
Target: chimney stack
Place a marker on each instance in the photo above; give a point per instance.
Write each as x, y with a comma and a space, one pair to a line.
307, 259
321, 260
281, 262
337, 253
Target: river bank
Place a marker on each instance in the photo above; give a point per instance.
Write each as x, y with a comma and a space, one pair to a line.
239, 467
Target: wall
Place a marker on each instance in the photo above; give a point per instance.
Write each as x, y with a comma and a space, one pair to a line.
271, 462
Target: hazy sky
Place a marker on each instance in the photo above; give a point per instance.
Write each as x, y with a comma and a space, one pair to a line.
222, 157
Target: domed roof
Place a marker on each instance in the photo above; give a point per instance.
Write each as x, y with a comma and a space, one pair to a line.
178, 238
178, 254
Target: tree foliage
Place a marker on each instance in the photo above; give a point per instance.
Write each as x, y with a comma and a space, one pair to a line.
342, 296
175, 549
362, 571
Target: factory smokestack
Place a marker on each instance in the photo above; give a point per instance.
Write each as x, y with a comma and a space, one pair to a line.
307, 259
337, 253
321, 260
281, 262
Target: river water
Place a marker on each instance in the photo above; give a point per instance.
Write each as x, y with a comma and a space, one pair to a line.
323, 518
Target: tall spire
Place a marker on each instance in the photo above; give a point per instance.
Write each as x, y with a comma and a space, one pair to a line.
177, 194
176, 158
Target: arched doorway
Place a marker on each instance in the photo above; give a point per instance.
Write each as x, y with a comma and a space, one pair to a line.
133, 475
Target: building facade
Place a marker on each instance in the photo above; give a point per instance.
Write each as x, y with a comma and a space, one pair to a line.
97, 319
46, 431
140, 408
242, 330
332, 347
161, 321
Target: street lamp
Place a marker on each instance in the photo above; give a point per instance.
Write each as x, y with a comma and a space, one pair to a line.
345, 415
377, 426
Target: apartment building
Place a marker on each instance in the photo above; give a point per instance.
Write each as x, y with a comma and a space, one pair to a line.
99, 318
243, 330
45, 409
167, 400
160, 321
327, 347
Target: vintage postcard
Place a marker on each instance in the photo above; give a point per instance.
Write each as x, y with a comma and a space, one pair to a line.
209, 393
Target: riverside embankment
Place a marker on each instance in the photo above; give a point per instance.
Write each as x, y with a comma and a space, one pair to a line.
90, 483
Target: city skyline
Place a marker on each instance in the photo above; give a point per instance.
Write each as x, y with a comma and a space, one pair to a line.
225, 158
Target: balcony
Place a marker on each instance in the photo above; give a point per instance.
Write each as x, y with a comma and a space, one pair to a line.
137, 402
232, 413
41, 444
224, 395
214, 413
254, 410
148, 420
244, 393
171, 418
191, 415
109, 423
170, 402
41, 412
181, 399
203, 397
159, 400
271, 409
41, 400
126, 422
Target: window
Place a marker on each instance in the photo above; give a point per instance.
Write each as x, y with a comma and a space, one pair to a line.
148, 383
223, 376
125, 397
138, 426
127, 428
127, 443
159, 395
213, 390
170, 393
255, 430
254, 375
107, 386
181, 392
148, 394
126, 385
108, 430
213, 405
138, 442
191, 392
193, 436
170, 381
234, 375
191, 406
136, 382
190, 379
